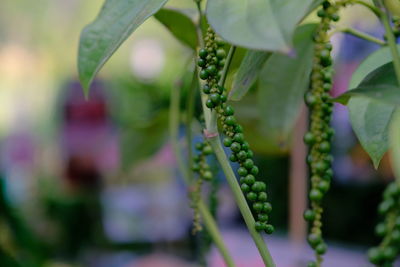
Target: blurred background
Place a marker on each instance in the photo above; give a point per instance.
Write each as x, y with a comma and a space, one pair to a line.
95, 183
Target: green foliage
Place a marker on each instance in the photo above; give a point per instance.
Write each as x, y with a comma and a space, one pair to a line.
283, 81
372, 103
394, 141
247, 73
180, 24
114, 24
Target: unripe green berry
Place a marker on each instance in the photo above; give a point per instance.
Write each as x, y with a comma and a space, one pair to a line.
227, 141
230, 120
262, 196
250, 180
309, 215
242, 171
315, 195
229, 111
245, 188
269, 229
203, 53
251, 196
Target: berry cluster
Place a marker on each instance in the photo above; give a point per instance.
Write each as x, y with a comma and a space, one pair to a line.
389, 230
319, 136
212, 60
201, 167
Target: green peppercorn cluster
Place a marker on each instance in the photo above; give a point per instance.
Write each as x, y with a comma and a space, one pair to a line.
319, 136
211, 60
389, 230
201, 167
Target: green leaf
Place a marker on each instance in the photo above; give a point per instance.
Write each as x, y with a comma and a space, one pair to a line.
370, 120
247, 23
394, 140
247, 73
282, 83
257, 24
179, 24
370, 129
289, 13
114, 24
381, 85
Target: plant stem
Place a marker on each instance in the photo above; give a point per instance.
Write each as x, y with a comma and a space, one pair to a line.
391, 40
211, 133
215, 143
375, 10
227, 65
212, 229
359, 34
189, 117
208, 220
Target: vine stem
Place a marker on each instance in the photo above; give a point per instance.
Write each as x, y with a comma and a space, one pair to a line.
215, 143
211, 133
358, 34
391, 40
208, 220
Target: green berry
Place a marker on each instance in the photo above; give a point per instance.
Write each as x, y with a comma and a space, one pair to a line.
323, 185
221, 53
312, 264
207, 175
309, 215
195, 167
309, 138
251, 196
314, 239
242, 171
204, 74
258, 186
210, 104
380, 229
199, 146
206, 89
203, 53
262, 217
235, 147
245, 188
254, 170
238, 129
389, 253
207, 150
241, 155
232, 158
374, 255
230, 120
245, 145
262, 196
269, 229
248, 164
201, 62
267, 208
215, 98
385, 206
229, 111
321, 248
259, 226
257, 207
315, 195
324, 147
212, 69
227, 141
250, 180
238, 137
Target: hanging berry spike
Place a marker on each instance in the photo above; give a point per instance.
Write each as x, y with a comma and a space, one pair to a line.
389, 230
319, 136
201, 167
211, 60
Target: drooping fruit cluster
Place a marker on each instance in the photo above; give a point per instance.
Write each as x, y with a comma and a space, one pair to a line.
389, 229
212, 60
201, 167
319, 136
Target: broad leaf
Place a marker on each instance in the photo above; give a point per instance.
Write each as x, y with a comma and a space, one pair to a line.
179, 24
367, 108
100, 39
381, 84
247, 23
394, 140
257, 24
370, 120
247, 73
289, 13
282, 84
